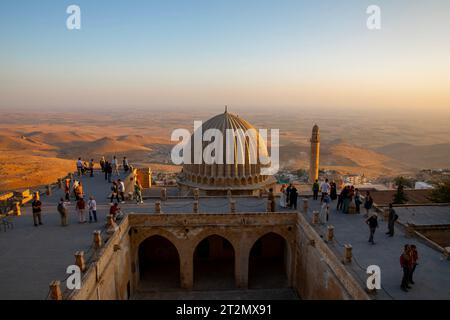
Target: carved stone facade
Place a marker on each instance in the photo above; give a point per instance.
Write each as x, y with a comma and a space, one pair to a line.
309, 265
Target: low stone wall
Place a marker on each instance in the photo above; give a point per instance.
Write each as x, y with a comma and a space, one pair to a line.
109, 278
319, 274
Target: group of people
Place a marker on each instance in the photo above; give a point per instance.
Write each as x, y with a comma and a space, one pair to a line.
110, 168
408, 263
80, 208
289, 195
83, 167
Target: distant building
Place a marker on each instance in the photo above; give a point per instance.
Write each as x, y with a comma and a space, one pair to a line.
420, 185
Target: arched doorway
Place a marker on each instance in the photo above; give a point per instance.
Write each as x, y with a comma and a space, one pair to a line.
269, 262
159, 264
214, 264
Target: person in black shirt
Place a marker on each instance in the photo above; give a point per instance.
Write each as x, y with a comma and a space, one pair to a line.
391, 220
37, 209
372, 221
293, 194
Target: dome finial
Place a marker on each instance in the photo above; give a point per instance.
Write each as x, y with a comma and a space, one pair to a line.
226, 109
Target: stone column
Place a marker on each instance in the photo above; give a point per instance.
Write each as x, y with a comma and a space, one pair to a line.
241, 268
111, 225
330, 233
315, 218
269, 206
163, 194
187, 270
196, 193
79, 260
97, 241
158, 207
55, 290
348, 253
232, 206
305, 205
195, 207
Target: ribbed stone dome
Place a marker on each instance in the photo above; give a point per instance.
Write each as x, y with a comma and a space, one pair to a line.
243, 175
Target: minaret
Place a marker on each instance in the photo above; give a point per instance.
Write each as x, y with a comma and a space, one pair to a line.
315, 154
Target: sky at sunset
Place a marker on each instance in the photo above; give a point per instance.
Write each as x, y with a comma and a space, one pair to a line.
246, 53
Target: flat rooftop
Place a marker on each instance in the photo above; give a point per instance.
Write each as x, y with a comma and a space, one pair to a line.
31, 257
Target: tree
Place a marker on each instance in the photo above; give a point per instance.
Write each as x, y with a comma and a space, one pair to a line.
441, 192
402, 181
400, 196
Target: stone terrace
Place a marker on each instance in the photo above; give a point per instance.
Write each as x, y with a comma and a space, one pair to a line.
30, 257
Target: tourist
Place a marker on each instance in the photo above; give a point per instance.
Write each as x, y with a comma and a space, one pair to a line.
102, 164
288, 195
283, 196
121, 189
333, 191
405, 263
81, 207
414, 258
315, 189
67, 189
346, 199
92, 206
271, 198
114, 192
85, 167
125, 164
79, 193
115, 166
62, 209
114, 210
372, 221
293, 198
36, 206
340, 202
91, 167
138, 192
325, 187
325, 209
391, 220
79, 167
74, 189
358, 200
368, 203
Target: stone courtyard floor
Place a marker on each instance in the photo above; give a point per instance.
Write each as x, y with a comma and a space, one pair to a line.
31, 257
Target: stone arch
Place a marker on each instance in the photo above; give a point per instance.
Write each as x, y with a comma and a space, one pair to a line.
250, 180
205, 180
269, 261
243, 181
236, 181
159, 263
214, 259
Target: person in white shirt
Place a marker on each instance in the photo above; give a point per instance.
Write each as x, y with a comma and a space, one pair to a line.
92, 205
79, 167
325, 187
121, 190
115, 165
